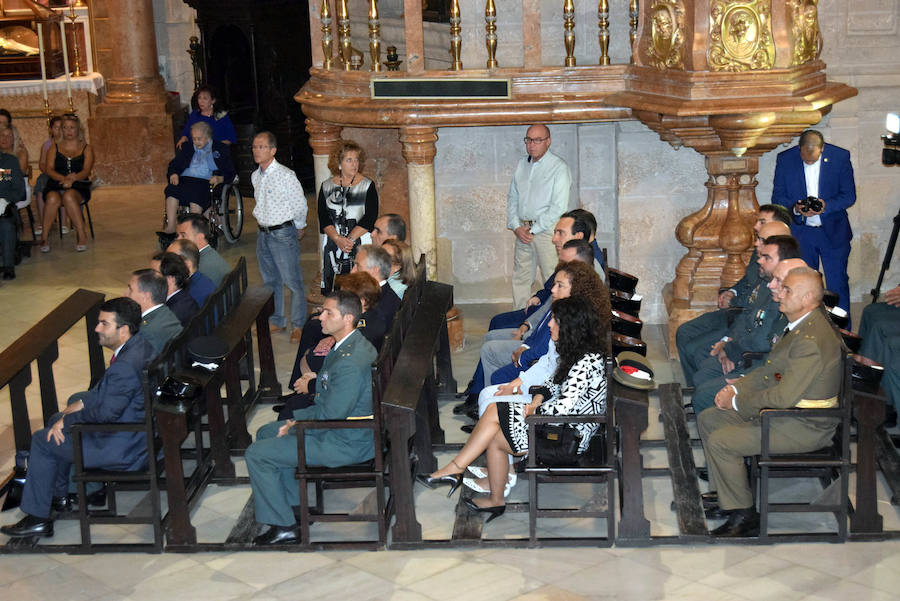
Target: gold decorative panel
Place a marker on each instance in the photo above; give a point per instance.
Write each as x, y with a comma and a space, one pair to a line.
740, 35
665, 47
806, 43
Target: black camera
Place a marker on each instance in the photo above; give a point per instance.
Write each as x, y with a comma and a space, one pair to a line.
810, 203
890, 154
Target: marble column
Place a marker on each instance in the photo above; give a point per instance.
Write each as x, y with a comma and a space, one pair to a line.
718, 237
131, 129
419, 151
322, 139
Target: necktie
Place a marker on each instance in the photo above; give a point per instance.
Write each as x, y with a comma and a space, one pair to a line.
112, 360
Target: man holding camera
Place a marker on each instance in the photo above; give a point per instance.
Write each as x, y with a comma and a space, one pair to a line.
814, 180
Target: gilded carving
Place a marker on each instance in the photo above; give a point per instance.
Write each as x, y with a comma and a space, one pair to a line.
806, 42
665, 48
740, 35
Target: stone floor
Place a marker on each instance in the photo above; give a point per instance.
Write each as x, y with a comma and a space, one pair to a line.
124, 219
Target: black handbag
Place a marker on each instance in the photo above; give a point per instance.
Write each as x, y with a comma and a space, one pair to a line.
556, 445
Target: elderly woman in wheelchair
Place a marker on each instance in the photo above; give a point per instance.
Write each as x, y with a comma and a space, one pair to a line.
196, 169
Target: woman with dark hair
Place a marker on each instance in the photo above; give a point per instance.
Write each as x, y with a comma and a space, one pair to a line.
403, 266
204, 103
578, 386
348, 207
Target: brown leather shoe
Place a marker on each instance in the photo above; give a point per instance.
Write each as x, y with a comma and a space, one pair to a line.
296, 333
274, 328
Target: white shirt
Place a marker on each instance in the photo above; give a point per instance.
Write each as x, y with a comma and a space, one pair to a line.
150, 310
539, 192
341, 341
279, 196
811, 173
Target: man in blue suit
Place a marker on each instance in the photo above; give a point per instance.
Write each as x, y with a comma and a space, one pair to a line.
814, 168
117, 398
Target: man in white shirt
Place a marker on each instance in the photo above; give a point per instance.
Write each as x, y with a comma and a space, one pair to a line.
281, 214
538, 196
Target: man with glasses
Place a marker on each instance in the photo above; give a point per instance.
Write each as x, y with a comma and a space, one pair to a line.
538, 195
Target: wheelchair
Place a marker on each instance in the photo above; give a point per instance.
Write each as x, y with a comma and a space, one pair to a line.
225, 213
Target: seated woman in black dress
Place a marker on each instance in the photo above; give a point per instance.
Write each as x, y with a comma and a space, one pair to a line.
577, 387
69, 165
314, 346
195, 169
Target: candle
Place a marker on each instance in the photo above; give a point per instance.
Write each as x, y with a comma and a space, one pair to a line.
40, 28
65, 51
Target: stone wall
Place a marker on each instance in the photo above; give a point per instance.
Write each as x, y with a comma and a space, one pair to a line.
174, 25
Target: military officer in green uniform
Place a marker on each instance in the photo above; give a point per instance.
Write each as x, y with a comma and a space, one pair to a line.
343, 391
751, 330
803, 370
694, 338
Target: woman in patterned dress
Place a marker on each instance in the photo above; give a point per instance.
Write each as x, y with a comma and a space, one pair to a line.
348, 207
577, 387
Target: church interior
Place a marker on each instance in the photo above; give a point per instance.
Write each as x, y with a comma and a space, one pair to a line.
670, 117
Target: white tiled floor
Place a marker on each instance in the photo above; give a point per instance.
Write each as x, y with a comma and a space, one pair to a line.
124, 220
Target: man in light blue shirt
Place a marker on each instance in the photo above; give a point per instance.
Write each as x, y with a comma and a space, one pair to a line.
538, 195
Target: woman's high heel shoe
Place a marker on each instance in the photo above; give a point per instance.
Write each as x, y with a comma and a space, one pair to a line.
495, 511
453, 480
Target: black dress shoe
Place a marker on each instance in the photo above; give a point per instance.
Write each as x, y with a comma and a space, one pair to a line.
29, 526
95, 499
473, 414
741, 522
63, 504
703, 473
494, 512
278, 408
10, 274
464, 407
278, 535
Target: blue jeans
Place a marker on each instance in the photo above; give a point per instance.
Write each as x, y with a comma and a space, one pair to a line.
278, 254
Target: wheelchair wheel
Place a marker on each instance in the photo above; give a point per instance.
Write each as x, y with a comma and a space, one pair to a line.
231, 210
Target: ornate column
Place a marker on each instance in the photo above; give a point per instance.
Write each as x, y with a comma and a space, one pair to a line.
131, 130
322, 138
419, 151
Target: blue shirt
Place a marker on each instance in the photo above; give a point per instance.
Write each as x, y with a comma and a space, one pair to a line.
202, 163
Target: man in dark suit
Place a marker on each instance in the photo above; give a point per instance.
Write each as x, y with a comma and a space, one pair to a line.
376, 261
12, 190
823, 171
117, 398
803, 370
343, 391
178, 300
195, 227
199, 286
158, 324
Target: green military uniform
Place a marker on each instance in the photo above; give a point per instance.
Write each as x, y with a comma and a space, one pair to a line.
700, 333
750, 332
343, 390
804, 365
212, 265
160, 326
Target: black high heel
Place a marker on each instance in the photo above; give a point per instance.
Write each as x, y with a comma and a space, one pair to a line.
495, 511
453, 480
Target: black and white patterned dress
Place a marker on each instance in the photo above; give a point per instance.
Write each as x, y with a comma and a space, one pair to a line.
583, 392
344, 207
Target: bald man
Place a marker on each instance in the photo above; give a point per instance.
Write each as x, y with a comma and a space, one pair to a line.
752, 330
703, 331
803, 371
538, 196
695, 344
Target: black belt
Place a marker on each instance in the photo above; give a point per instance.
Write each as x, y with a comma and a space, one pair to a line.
263, 228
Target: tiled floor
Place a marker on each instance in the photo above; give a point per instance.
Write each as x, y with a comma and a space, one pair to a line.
124, 220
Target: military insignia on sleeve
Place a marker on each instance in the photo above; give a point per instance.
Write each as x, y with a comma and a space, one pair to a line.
361, 323
322, 380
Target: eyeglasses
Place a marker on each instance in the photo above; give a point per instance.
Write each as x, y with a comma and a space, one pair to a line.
535, 140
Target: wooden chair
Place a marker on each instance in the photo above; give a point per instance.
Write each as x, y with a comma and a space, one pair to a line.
143, 479
585, 470
831, 465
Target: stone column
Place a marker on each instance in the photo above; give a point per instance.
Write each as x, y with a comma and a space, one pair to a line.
718, 237
131, 130
322, 139
419, 151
